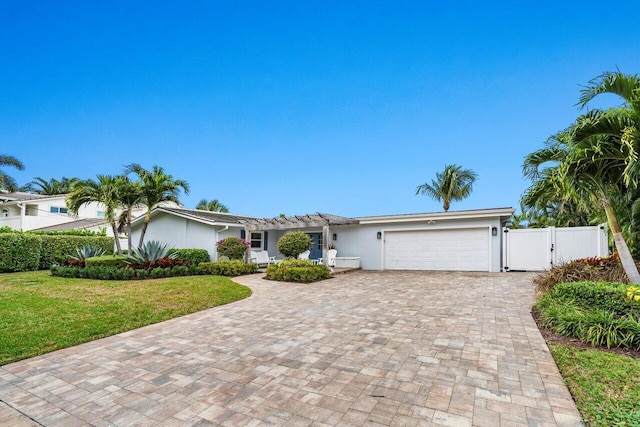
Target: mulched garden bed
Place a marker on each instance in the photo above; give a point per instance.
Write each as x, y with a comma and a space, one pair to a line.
552, 337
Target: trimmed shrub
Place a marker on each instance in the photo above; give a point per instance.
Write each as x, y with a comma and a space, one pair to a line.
150, 265
192, 256
229, 268
115, 273
293, 244
107, 261
297, 270
19, 252
232, 247
605, 269
57, 248
597, 295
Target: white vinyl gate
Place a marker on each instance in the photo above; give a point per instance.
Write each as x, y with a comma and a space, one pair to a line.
537, 249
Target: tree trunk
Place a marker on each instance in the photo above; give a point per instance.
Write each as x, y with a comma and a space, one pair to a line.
147, 218
129, 230
115, 234
628, 263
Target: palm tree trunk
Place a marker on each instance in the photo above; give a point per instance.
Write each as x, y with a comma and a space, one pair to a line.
115, 234
628, 263
144, 229
129, 230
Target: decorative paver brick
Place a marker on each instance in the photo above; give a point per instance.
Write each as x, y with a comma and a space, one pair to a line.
367, 348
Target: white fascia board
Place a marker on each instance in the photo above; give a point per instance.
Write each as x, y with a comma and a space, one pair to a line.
35, 201
441, 216
190, 218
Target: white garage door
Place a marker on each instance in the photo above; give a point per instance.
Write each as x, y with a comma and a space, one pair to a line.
457, 250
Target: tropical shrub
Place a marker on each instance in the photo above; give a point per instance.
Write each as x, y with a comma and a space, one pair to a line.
107, 261
293, 244
192, 256
605, 269
229, 268
56, 248
162, 263
19, 252
598, 313
153, 250
296, 270
232, 247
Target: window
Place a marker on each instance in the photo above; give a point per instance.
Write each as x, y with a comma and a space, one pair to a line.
57, 209
256, 240
100, 214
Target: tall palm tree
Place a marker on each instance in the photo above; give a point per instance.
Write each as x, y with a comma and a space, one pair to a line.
52, 186
105, 190
130, 195
7, 182
213, 206
454, 183
156, 187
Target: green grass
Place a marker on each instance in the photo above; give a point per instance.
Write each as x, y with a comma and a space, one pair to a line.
605, 386
40, 313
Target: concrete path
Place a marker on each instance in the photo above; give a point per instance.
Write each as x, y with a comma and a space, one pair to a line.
366, 348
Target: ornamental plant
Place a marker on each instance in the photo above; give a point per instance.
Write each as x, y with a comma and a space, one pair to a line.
232, 247
293, 244
633, 293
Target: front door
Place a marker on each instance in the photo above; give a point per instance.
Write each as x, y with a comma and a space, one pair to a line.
316, 245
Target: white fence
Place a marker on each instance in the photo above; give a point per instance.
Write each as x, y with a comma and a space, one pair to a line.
537, 249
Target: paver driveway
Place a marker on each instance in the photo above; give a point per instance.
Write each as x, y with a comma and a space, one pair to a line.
366, 348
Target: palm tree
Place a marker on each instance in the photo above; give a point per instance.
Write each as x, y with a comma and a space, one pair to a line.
130, 194
52, 186
156, 187
454, 183
213, 206
105, 190
7, 182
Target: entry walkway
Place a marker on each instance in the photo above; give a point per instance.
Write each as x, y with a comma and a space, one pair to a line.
365, 348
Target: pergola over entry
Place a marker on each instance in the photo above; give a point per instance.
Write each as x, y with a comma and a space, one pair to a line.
296, 222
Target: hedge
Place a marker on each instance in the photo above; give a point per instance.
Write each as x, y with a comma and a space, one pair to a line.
230, 268
107, 261
297, 271
56, 249
19, 252
192, 256
114, 273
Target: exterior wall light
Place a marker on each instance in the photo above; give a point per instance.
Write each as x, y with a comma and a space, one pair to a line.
335, 236
494, 231
379, 235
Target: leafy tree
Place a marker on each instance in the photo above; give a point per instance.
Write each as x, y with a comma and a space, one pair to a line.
454, 183
293, 244
156, 186
105, 190
7, 182
213, 206
52, 186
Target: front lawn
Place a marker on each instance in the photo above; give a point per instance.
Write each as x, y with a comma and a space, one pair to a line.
40, 313
605, 386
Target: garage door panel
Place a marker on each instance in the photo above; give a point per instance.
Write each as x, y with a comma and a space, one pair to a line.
457, 250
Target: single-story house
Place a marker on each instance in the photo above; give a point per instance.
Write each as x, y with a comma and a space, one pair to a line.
461, 240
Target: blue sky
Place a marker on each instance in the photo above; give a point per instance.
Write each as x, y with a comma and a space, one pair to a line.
302, 107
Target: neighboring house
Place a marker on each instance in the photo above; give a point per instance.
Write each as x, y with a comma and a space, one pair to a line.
463, 240
25, 211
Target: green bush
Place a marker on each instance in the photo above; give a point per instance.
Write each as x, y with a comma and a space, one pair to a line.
192, 256
297, 270
19, 252
232, 247
229, 268
57, 248
594, 312
293, 244
107, 261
